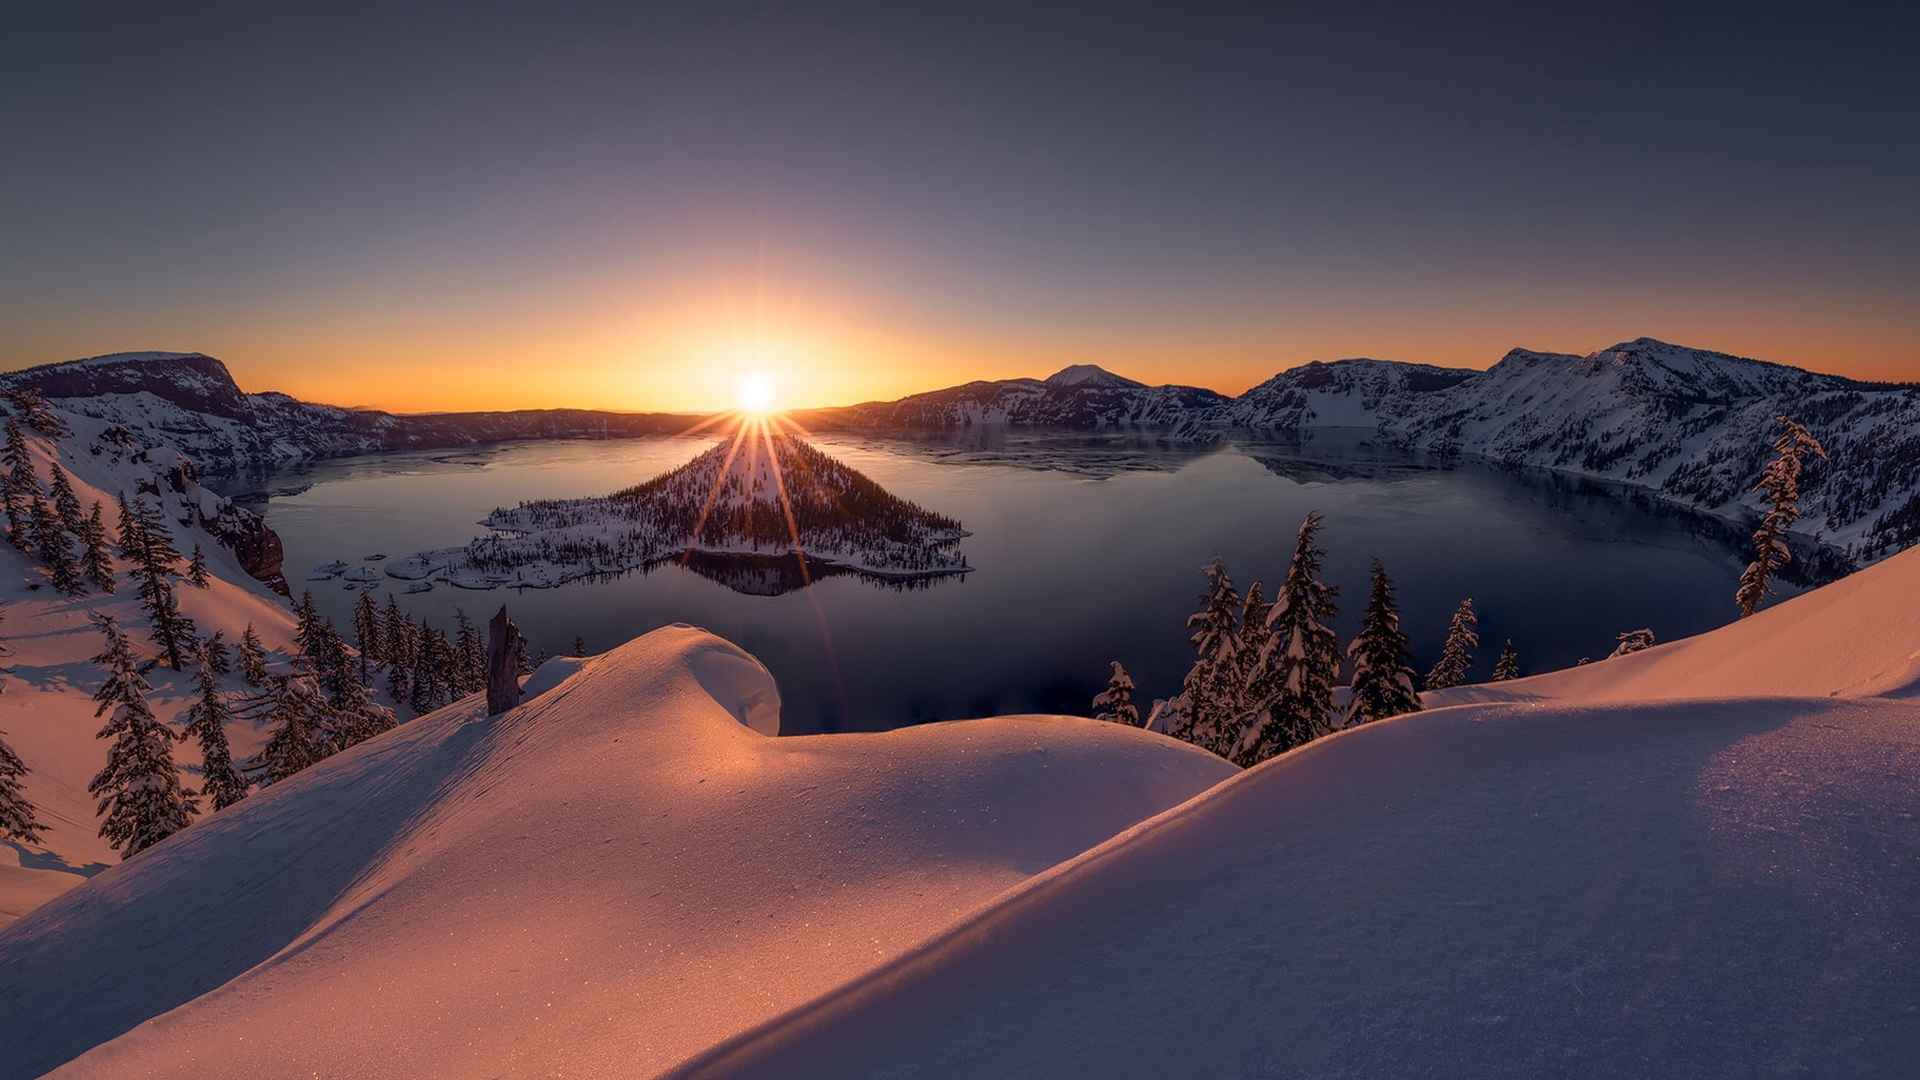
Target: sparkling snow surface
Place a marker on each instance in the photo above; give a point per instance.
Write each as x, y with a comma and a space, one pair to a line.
603, 881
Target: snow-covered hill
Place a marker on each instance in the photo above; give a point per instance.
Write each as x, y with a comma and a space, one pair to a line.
754, 499
603, 881
1081, 396
1625, 871
189, 401
46, 711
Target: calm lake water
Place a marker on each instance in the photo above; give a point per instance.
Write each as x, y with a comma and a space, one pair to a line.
1087, 548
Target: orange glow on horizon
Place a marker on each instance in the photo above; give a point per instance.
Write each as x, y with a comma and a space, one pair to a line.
691, 348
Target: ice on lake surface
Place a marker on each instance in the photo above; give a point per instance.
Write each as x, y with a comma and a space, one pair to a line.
1087, 548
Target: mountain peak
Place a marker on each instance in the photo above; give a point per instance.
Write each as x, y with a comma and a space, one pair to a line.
1089, 375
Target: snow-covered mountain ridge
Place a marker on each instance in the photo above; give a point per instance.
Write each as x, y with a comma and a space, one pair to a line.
1691, 424
190, 401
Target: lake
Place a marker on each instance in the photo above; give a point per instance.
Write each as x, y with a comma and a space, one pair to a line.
1086, 548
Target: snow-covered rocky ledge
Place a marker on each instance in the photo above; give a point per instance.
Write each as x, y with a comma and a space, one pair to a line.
752, 497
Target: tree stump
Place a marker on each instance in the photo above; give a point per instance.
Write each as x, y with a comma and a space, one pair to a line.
503, 672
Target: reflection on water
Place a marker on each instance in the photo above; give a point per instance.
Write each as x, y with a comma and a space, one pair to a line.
1085, 548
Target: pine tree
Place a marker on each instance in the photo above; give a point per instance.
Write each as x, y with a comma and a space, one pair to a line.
307, 635
19, 821
1297, 669
53, 550
1632, 641
141, 800
579, 646
253, 659
1210, 697
469, 657
1508, 666
522, 664
43, 528
33, 408
366, 635
197, 569
95, 563
1382, 683
219, 654
207, 719
302, 724
429, 690
66, 505
1253, 637
1780, 486
130, 542
1115, 703
356, 717
18, 485
1456, 655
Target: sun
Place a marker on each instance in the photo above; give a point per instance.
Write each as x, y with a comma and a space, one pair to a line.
755, 393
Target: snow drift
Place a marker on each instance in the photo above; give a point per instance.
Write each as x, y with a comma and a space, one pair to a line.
605, 880
1625, 870
1717, 888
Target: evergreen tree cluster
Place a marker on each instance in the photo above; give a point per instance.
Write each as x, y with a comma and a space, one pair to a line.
1263, 675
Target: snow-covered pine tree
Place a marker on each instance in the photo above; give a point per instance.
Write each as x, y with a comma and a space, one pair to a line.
18, 485
302, 723
65, 503
253, 659
95, 563
1780, 486
469, 657
1297, 670
219, 654
366, 635
1115, 703
43, 528
1383, 675
1211, 695
128, 538
396, 632
1456, 654
51, 541
155, 561
356, 716
33, 408
141, 800
1632, 641
19, 821
1253, 638
307, 635
1508, 666
432, 659
197, 569
206, 720
522, 663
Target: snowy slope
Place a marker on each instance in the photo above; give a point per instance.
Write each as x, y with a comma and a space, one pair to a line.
604, 881
1575, 883
1707, 889
46, 711
1858, 637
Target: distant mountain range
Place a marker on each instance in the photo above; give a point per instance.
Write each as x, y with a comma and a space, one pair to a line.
1691, 424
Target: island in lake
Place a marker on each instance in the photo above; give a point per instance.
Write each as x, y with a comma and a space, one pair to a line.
761, 512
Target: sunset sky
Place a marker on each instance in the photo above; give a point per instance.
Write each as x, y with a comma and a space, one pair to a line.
630, 210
